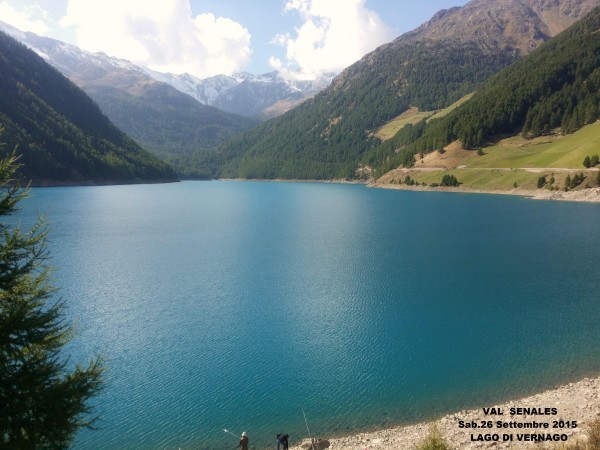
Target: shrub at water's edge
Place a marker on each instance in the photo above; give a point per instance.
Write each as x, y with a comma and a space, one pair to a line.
434, 441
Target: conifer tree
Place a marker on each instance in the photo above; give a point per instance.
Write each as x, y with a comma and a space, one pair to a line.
44, 400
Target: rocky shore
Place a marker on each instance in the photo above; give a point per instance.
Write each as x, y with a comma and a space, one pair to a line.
591, 195
567, 410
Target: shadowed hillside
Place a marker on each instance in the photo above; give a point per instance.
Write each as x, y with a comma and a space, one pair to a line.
61, 134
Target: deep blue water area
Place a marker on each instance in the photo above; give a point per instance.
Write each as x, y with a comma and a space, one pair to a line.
235, 305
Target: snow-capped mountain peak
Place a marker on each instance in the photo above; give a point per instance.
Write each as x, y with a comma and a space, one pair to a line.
242, 93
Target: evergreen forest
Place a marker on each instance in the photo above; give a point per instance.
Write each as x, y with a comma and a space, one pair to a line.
173, 126
326, 136
556, 87
59, 132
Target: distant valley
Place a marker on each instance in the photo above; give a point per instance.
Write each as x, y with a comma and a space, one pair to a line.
180, 118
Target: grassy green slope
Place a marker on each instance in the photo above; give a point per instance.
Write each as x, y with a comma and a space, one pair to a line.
517, 161
444, 112
566, 152
411, 116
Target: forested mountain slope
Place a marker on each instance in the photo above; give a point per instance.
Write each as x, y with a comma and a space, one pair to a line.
429, 68
556, 86
171, 124
61, 134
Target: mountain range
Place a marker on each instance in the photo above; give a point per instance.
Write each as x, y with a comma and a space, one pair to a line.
162, 119
59, 133
261, 96
429, 68
335, 133
177, 117
551, 92
257, 96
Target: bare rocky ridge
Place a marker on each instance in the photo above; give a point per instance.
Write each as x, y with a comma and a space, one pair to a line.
521, 24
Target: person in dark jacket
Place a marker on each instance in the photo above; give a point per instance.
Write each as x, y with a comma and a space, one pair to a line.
282, 439
244, 442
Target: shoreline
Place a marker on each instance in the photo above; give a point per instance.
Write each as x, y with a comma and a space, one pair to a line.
590, 195
573, 402
292, 180
92, 183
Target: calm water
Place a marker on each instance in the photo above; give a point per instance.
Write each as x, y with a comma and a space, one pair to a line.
235, 305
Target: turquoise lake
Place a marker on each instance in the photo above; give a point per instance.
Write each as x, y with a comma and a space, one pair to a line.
235, 305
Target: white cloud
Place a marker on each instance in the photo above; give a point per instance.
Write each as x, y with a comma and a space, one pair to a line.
161, 34
333, 36
26, 18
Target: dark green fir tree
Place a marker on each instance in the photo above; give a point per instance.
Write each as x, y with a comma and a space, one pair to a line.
44, 400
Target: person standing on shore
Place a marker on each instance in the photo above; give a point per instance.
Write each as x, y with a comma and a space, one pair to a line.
244, 442
282, 439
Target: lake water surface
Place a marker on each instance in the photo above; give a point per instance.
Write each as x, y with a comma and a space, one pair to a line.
238, 304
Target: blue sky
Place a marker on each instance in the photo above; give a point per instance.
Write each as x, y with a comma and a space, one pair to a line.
302, 38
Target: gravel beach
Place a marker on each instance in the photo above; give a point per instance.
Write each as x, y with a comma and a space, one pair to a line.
558, 416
